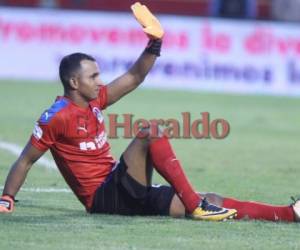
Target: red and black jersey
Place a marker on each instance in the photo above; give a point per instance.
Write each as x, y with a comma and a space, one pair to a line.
78, 142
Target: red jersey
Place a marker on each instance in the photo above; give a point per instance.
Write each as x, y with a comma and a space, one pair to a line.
77, 140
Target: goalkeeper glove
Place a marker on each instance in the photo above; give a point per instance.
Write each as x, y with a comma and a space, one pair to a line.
151, 25
6, 204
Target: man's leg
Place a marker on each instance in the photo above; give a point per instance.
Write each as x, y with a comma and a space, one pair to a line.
166, 163
139, 163
245, 209
253, 210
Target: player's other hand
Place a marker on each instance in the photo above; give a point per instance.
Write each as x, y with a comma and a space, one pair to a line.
6, 204
150, 23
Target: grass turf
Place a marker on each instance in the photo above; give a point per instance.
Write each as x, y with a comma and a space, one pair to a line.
259, 160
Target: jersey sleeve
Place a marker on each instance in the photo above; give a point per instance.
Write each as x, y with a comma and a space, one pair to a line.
102, 97
45, 134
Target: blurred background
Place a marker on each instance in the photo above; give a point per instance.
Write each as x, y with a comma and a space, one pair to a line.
283, 10
236, 46
236, 59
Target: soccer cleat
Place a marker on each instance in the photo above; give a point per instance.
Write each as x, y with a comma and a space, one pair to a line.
209, 212
296, 206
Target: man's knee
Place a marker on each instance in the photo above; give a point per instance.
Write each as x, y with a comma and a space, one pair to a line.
150, 133
140, 144
142, 140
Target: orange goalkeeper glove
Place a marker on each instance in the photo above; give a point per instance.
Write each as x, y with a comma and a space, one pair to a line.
150, 23
6, 204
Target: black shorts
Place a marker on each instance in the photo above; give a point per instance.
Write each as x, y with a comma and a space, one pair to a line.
121, 194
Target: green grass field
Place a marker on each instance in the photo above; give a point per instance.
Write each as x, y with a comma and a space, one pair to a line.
259, 160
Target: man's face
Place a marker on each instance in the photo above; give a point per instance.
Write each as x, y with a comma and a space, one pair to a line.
88, 79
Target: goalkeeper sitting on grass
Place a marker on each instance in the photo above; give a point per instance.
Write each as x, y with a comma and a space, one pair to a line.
73, 129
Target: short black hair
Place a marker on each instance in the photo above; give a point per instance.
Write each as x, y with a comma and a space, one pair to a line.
69, 65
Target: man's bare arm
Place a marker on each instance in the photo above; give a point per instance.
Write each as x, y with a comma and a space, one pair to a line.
137, 73
19, 170
131, 79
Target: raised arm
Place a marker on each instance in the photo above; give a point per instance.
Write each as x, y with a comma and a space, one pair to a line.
131, 79
137, 73
17, 175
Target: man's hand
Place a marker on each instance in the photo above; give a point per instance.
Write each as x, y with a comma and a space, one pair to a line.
17, 175
6, 204
150, 23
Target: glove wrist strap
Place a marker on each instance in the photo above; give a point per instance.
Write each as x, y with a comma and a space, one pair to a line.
154, 46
